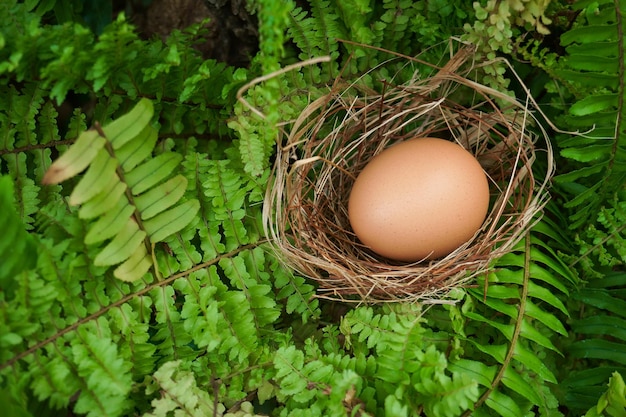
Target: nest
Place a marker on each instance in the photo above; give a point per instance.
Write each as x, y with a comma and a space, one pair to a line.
323, 151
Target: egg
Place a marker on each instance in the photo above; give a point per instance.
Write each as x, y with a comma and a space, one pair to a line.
418, 200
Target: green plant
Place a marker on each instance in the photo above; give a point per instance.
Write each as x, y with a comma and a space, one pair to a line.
212, 323
587, 86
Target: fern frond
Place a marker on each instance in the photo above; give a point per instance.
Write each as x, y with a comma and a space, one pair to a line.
316, 33
596, 53
522, 292
405, 357
18, 248
179, 393
297, 293
603, 338
140, 209
613, 401
106, 374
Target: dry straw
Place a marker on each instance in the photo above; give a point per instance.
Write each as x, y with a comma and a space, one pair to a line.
322, 152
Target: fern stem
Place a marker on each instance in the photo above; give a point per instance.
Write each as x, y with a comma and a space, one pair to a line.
516, 331
36, 146
123, 300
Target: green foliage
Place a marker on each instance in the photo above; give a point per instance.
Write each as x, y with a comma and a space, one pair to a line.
497, 26
613, 401
122, 194
588, 87
18, 247
157, 161
511, 321
594, 70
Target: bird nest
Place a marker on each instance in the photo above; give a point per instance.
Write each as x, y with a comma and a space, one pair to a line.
336, 135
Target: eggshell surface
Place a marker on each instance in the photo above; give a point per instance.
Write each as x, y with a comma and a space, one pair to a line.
419, 199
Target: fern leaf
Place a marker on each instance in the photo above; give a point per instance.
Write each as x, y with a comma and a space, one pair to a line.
26, 192
478, 371
599, 349
170, 337
201, 313
613, 401
107, 376
54, 379
18, 248
194, 167
104, 201
601, 324
584, 388
114, 51
180, 394
442, 394
132, 321
143, 213
317, 34
602, 299
503, 405
75, 160
122, 246
595, 62
101, 173
171, 221
151, 172
296, 291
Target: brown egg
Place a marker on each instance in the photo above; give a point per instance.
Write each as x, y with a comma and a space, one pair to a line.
420, 199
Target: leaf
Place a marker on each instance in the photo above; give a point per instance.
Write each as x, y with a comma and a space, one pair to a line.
593, 33
104, 201
602, 299
137, 149
594, 104
18, 248
126, 242
476, 370
107, 375
76, 159
100, 175
601, 324
179, 394
171, 221
530, 360
110, 224
599, 349
161, 197
547, 319
591, 79
503, 404
498, 352
589, 154
130, 125
596, 49
134, 267
11, 406
151, 172
516, 383
576, 174
594, 61
613, 401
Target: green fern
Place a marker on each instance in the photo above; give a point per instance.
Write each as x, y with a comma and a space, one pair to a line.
19, 250
613, 402
595, 67
122, 193
221, 327
520, 307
